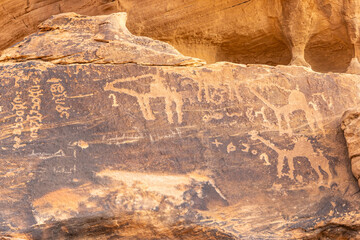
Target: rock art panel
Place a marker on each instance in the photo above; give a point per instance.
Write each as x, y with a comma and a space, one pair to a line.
159, 145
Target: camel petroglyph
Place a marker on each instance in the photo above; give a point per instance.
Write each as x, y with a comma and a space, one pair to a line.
296, 101
157, 89
223, 82
302, 148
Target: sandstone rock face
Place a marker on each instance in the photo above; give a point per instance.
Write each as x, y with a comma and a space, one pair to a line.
323, 34
105, 135
350, 125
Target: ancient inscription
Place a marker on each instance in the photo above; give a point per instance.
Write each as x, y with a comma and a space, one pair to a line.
19, 107
115, 104
35, 117
59, 96
230, 148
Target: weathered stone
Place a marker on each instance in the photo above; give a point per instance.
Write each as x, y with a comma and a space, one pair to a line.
71, 38
350, 125
154, 145
322, 33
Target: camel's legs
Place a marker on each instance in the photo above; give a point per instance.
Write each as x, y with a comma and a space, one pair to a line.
145, 107
280, 165
179, 110
168, 104
291, 167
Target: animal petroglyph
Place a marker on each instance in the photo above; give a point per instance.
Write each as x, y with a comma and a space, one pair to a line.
157, 89
225, 83
302, 148
296, 101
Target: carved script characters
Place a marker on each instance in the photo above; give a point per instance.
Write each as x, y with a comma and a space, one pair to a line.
59, 96
230, 148
158, 89
35, 117
115, 104
19, 107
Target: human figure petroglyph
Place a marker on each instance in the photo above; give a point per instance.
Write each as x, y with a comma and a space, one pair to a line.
157, 89
302, 148
296, 101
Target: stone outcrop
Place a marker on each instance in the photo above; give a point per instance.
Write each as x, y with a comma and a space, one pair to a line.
323, 34
351, 127
107, 135
70, 38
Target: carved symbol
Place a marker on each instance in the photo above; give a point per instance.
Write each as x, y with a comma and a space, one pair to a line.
265, 157
231, 148
114, 100
157, 89
217, 143
249, 114
59, 153
209, 117
235, 114
247, 147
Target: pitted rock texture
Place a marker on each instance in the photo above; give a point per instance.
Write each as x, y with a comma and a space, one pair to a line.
71, 38
158, 145
323, 34
351, 127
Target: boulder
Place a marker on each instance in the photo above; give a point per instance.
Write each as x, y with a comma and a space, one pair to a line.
105, 135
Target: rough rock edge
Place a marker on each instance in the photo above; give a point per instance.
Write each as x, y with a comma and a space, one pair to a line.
349, 121
105, 33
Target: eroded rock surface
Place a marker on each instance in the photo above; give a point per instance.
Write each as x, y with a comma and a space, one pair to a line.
104, 137
323, 34
351, 127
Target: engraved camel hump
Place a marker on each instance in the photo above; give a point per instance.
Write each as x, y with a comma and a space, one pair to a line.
157, 89
302, 148
296, 101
